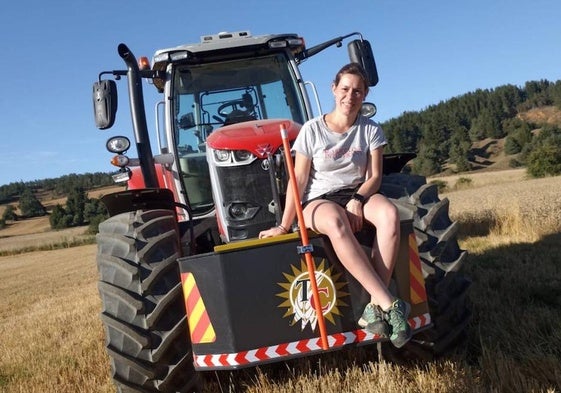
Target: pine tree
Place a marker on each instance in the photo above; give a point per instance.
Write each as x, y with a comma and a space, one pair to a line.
459, 149
512, 146
59, 219
10, 214
29, 205
75, 205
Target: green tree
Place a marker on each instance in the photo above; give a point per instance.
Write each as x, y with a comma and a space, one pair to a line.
93, 226
75, 205
95, 213
59, 219
403, 133
93, 208
10, 214
459, 149
427, 162
556, 94
79, 210
543, 155
29, 205
512, 146
519, 136
544, 161
485, 125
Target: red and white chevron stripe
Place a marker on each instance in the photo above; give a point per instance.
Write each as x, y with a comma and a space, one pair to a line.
293, 349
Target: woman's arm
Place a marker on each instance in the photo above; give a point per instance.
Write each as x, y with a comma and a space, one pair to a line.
370, 186
302, 165
374, 173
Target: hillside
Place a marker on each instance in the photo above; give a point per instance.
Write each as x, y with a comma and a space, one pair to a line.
544, 115
442, 134
488, 154
37, 231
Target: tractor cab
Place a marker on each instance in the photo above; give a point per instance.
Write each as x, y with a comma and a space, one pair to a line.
221, 98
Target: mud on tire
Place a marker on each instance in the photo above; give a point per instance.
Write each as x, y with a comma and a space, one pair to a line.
441, 259
142, 308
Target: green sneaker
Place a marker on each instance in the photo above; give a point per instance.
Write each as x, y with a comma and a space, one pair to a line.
373, 321
397, 319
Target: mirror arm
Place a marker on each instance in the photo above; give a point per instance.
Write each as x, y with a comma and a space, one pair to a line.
318, 48
149, 74
116, 73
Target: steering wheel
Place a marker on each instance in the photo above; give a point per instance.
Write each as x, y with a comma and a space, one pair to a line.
233, 105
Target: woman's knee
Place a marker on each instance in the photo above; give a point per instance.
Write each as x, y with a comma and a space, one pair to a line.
382, 214
326, 218
333, 225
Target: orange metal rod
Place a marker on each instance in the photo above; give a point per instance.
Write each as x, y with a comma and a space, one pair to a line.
304, 238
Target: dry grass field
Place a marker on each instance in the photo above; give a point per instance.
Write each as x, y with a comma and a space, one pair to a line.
506, 203
52, 340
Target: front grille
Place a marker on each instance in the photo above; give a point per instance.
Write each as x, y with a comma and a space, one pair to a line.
245, 186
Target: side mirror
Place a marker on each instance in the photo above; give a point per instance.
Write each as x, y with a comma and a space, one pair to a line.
105, 103
187, 121
360, 52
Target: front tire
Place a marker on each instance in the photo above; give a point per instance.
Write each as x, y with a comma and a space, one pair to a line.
143, 312
441, 259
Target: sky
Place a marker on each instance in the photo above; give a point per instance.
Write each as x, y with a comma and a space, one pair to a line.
426, 52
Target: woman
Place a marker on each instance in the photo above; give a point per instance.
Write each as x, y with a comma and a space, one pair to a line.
338, 168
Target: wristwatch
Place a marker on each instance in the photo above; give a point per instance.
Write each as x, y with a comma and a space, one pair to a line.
356, 196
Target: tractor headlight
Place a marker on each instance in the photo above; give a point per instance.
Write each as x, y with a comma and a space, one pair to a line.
226, 157
242, 155
239, 211
222, 155
118, 144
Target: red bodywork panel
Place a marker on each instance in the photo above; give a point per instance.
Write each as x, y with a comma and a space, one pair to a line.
136, 181
258, 136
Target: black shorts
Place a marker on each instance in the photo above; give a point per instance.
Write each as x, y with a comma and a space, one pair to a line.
340, 197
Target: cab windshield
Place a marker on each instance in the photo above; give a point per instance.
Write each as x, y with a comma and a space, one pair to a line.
214, 95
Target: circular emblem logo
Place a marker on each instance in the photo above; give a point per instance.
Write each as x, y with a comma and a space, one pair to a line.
299, 298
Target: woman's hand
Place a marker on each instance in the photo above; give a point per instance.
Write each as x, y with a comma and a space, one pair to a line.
274, 231
355, 215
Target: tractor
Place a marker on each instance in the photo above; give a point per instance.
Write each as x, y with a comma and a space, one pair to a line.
186, 285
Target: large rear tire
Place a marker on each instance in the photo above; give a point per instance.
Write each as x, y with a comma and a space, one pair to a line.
142, 304
441, 259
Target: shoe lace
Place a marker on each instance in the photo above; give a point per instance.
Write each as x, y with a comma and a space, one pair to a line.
397, 317
373, 313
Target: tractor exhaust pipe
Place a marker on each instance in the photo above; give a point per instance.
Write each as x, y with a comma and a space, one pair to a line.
138, 115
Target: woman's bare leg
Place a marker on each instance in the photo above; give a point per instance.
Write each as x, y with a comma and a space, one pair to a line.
331, 219
383, 214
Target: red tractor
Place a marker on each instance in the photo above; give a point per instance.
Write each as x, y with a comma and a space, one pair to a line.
186, 285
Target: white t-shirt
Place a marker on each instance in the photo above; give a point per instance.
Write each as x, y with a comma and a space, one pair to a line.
338, 160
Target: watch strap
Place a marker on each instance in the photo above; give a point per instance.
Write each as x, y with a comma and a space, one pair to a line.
356, 196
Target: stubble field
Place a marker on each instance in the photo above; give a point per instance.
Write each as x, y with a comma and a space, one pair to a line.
52, 340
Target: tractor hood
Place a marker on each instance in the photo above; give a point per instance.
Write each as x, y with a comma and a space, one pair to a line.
260, 137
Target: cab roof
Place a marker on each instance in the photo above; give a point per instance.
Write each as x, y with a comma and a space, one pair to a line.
225, 40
